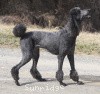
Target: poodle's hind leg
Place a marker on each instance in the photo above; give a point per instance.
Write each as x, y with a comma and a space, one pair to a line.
27, 55
15, 69
34, 71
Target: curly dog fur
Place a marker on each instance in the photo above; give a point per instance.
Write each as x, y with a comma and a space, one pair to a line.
60, 43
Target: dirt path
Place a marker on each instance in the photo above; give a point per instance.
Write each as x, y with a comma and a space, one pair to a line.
88, 67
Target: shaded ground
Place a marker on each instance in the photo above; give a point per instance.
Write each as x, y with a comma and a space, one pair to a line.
88, 67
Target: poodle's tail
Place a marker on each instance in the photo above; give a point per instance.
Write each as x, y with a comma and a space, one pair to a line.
19, 30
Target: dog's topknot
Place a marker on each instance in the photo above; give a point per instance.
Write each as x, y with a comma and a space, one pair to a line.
74, 10
19, 30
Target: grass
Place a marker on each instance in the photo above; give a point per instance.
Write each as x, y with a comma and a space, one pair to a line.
6, 37
88, 43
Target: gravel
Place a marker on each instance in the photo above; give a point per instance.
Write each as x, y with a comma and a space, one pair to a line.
88, 67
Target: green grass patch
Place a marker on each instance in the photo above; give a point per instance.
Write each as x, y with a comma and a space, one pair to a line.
90, 48
7, 39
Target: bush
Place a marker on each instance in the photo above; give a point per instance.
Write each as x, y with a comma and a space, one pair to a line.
31, 10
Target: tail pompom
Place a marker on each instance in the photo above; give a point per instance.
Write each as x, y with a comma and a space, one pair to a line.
19, 30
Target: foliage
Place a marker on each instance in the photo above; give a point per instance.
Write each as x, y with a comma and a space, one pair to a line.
49, 12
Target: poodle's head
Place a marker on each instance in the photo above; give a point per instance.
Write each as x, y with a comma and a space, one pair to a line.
79, 14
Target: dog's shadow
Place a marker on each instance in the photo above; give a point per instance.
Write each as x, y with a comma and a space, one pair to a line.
90, 78
47, 80
85, 78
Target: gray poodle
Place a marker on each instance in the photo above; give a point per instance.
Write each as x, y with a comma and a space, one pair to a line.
60, 43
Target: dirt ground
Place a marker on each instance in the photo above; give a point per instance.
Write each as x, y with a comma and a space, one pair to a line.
88, 67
